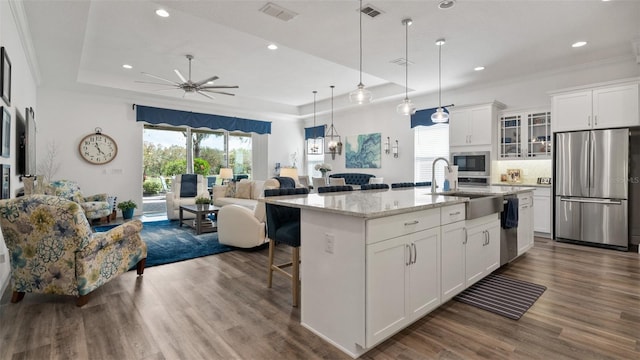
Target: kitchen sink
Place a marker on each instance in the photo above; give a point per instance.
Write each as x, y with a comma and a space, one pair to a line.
480, 205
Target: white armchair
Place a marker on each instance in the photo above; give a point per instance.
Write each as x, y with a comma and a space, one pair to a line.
241, 227
174, 198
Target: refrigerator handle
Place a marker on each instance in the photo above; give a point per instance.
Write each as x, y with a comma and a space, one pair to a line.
592, 201
591, 158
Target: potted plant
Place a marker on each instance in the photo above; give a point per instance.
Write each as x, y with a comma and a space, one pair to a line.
127, 208
202, 201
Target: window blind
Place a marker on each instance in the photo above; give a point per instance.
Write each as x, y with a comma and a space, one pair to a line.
430, 142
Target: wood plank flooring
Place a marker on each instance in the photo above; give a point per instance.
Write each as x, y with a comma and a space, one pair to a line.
218, 307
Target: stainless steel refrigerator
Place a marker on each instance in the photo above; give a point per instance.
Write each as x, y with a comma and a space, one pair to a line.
591, 191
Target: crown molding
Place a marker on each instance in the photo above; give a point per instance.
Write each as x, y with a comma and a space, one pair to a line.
22, 26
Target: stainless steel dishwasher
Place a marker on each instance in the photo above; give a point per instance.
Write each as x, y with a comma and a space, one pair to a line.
508, 237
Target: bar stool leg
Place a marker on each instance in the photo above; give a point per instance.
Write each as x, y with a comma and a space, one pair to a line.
295, 274
272, 245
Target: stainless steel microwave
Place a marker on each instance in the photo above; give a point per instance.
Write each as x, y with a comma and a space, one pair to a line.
476, 163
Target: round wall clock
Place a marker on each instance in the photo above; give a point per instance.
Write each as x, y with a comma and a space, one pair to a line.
98, 148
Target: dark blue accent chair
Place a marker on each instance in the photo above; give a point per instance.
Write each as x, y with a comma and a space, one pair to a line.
423, 183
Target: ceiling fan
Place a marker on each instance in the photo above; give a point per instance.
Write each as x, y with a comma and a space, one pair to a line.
201, 87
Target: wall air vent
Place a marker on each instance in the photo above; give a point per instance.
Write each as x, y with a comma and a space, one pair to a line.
278, 12
371, 11
401, 62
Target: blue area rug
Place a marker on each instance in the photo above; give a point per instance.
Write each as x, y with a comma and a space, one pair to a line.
168, 243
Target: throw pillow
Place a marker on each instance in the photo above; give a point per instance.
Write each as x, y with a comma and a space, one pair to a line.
243, 189
231, 191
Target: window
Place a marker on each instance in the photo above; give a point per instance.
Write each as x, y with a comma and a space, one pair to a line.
314, 159
430, 142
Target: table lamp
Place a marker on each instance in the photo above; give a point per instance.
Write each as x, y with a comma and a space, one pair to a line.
226, 174
290, 173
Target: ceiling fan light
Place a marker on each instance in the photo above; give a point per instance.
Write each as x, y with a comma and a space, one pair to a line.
440, 116
406, 107
360, 95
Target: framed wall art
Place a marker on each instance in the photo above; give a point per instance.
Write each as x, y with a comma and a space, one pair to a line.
363, 151
6, 181
5, 76
5, 132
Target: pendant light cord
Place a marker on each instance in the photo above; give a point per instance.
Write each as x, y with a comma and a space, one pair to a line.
406, 59
360, 11
440, 76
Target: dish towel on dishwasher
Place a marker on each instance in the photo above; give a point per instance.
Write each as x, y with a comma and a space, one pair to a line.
509, 217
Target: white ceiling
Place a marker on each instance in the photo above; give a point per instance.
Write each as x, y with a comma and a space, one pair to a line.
83, 44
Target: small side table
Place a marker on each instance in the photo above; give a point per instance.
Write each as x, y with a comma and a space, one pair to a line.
201, 224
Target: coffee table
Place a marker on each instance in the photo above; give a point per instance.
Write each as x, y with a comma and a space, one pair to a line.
201, 223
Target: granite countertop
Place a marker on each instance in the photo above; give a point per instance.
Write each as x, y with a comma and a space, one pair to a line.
523, 185
370, 203
491, 190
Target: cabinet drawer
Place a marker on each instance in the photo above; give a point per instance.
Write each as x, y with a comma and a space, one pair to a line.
451, 214
542, 192
401, 224
525, 199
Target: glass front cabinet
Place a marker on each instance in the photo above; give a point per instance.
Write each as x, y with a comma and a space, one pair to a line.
525, 135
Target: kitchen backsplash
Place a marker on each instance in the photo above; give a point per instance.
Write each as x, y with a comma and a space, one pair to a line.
531, 170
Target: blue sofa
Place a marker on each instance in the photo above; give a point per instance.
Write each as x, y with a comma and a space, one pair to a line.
353, 178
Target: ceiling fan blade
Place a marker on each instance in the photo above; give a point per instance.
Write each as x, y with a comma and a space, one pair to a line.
155, 83
180, 75
206, 87
159, 78
213, 78
205, 95
216, 92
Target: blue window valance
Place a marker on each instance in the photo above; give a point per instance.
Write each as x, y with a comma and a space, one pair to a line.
153, 115
314, 132
423, 117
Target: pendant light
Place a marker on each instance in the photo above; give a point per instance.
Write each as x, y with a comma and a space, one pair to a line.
440, 116
360, 95
406, 107
314, 147
334, 143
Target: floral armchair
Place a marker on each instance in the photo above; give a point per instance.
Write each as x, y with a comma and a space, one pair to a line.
53, 250
94, 206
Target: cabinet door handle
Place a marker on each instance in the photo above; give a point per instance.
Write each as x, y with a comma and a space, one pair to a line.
415, 253
407, 262
595, 120
488, 237
455, 213
465, 236
414, 222
589, 120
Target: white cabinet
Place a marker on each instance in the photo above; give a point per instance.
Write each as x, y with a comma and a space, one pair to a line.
403, 276
525, 134
597, 108
525, 222
473, 125
542, 210
482, 250
453, 244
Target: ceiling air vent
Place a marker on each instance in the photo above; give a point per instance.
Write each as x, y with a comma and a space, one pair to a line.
401, 62
371, 11
278, 12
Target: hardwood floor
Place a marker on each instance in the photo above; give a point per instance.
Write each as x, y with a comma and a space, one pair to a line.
218, 307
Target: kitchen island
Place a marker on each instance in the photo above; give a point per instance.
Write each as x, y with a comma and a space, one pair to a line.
372, 261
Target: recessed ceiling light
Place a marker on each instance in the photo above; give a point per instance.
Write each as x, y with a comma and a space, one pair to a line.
579, 44
162, 13
127, 66
446, 4
478, 68
272, 47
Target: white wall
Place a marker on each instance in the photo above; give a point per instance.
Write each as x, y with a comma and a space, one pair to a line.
23, 95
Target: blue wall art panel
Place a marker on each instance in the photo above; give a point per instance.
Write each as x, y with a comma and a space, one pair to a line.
363, 151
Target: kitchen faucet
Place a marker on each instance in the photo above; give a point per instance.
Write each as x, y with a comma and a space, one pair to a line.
433, 172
